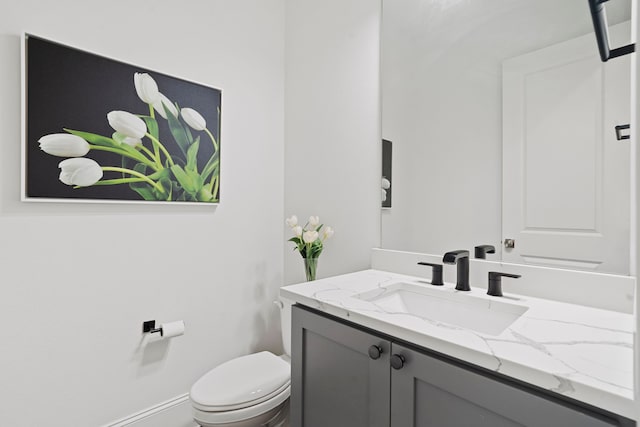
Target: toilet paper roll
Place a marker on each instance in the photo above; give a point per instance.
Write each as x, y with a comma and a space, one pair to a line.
172, 329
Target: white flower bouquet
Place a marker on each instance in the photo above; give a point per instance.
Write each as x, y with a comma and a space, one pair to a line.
309, 241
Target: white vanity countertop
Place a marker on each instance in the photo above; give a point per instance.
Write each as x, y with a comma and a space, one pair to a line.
580, 352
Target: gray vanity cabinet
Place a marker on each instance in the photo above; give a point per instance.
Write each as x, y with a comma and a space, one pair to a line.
427, 391
343, 375
334, 380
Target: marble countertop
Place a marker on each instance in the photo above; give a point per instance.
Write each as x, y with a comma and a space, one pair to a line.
581, 352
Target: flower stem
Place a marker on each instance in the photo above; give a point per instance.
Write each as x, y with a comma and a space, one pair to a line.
140, 158
215, 144
158, 144
118, 181
152, 114
310, 267
213, 185
214, 190
214, 178
134, 173
153, 156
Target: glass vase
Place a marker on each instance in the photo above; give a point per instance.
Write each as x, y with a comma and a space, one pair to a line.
310, 266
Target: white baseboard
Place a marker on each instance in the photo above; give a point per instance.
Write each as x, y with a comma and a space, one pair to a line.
174, 412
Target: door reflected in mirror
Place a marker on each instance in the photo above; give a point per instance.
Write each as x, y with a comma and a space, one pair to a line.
503, 118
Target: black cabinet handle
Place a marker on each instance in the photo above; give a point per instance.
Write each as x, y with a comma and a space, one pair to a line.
375, 352
397, 361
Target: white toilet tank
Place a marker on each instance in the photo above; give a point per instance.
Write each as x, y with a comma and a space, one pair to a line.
285, 322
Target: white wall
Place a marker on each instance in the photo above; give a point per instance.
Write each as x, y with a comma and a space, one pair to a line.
78, 280
333, 149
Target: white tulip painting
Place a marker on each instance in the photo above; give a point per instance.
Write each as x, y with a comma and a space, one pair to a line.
386, 182
103, 130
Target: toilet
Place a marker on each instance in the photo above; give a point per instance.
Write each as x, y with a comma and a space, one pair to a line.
248, 391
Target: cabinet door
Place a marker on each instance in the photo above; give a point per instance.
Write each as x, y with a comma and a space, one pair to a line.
429, 392
334, 381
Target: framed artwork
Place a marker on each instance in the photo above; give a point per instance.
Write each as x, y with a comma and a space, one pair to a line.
100, 130
386, 173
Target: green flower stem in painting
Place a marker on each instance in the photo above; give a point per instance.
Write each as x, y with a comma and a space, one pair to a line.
215, 187
158, 144
140, 158
152, 114
215, 144
142, 177
119, 181
153, 156
214, 179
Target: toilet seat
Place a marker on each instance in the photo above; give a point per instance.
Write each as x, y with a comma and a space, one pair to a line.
219, 408
262, 412
240, 389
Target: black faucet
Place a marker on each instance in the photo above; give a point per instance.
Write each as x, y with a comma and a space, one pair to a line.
482, 251
436, 273
460, 257
495, 282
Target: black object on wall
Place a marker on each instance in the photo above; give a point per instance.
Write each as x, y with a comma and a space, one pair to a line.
599, 16
386, 173
619, 135
149, 327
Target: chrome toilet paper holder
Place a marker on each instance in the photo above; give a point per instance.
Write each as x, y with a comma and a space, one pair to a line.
149, 326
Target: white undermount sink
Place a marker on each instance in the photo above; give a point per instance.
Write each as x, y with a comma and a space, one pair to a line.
489, 316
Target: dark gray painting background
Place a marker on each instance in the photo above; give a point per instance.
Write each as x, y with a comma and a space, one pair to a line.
69, 88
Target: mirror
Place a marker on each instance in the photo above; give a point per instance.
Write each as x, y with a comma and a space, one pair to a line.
501, 118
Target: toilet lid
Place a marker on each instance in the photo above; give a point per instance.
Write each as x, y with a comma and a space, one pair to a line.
241, 382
